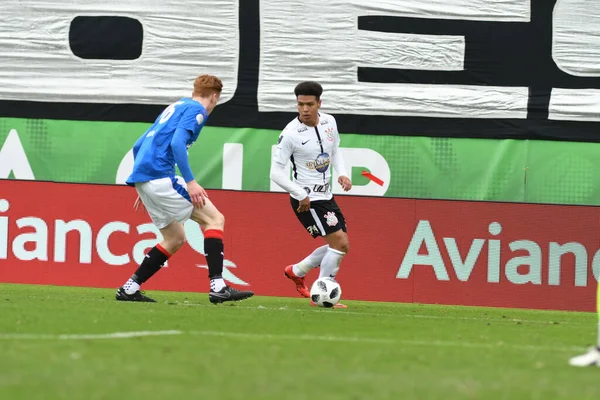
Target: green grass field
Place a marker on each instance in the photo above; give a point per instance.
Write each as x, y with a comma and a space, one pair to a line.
72, 343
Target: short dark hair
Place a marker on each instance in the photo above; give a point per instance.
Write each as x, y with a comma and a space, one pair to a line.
309, 88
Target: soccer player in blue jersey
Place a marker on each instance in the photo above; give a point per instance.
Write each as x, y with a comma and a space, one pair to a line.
171, 200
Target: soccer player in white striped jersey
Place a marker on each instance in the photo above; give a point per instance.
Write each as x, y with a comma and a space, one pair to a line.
311, 142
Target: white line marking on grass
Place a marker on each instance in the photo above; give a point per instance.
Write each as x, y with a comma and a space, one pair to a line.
394, 315
287, 337
354, 339
92, 336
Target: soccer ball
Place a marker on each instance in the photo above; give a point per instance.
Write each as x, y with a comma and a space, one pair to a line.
325, 292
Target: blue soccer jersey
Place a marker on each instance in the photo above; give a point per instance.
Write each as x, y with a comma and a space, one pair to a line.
165, 143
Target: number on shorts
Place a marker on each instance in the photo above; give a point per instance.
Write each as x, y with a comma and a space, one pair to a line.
312, 229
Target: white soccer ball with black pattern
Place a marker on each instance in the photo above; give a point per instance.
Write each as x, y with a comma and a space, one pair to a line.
325, 292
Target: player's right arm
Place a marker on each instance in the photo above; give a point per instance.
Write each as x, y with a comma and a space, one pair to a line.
283, 153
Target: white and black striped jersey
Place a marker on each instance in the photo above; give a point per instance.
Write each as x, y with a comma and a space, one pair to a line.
312, 150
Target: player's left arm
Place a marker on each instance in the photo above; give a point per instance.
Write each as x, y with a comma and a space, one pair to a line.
338, 162
179, 149
186, 134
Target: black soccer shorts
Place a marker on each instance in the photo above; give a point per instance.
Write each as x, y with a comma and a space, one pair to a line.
323, 218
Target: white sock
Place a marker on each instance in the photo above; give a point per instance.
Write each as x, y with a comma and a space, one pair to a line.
312, 261
331, 263
131, 286
217, 284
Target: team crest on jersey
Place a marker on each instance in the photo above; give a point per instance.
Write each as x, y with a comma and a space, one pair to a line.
331, 219
199, 119
329, 133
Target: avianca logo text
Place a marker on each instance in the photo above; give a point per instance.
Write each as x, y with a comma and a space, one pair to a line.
34, 238
519, 269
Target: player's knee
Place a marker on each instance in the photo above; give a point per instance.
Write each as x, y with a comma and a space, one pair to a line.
341, 244
173, 244
219, 220
344, 246
215, 221
180, 242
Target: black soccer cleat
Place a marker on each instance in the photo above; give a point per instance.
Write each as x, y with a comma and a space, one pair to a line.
137, 296
228, 294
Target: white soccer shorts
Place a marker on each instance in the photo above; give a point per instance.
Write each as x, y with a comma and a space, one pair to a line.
166, 200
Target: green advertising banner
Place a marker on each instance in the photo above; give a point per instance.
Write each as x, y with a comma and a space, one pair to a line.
239, 159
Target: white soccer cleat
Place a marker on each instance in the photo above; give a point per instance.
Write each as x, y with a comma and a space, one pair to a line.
589, 359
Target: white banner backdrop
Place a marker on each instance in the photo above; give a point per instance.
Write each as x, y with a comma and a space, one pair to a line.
182, 39
307, 40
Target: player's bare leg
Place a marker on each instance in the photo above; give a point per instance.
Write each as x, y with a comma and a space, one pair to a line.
213, 223
338, 246
173, 238
297, 272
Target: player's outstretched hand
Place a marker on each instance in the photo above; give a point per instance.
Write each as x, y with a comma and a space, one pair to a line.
197, 194
345, 182
304, 205
138, 204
